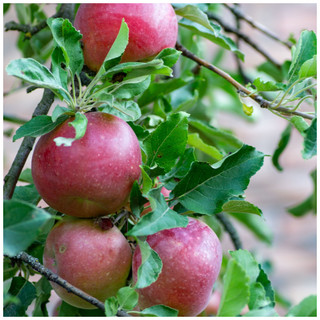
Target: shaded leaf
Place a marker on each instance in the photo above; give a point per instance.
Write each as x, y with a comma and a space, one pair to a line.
22, 224
38, 126
168, 141
306, 308
310, 141
282, 144
151, 266
206, 188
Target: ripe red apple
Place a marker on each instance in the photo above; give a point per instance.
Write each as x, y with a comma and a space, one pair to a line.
191, 260
90, 254
92, 177
152, 27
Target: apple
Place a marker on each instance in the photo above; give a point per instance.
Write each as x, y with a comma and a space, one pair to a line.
92, 177
91, 254
191, 260
152, 27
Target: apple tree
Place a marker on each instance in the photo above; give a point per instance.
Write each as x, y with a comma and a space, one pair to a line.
133, 181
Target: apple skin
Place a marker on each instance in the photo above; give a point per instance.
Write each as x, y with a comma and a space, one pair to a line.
213, 305
191, 260
94, 259
152, 27
95, 175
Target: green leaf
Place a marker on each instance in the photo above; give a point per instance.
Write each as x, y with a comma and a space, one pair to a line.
256, 225
127, 298
38, 126
194, 140
187, 103
247, 262
169, 56
26, 176
136, 200
66, 310
258, 297
146, 180
157, 311
305, 50
309, 68
80, 125
266, 283
235, 294
215, 35
310, 141
159, 89
27, 193
264, 312
9, 270
206, 188
150, 268
161, 217
215, 135
111, 307
165, 144
127, 89
300, 124
22, 224
67, 38
43, 289
58, 111
193, 13
282, 144
306, 308
25, 292
117, 49
33, 72
241, 206
126, 110
262, 85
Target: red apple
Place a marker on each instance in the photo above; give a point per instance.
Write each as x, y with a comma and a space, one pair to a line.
191, 260
92, 177
152, 27
90, 256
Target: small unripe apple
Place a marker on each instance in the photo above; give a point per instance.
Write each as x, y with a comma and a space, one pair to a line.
90, 254
191, 260
92, 177
152, 27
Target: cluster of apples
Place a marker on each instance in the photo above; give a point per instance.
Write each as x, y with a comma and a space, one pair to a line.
93, 178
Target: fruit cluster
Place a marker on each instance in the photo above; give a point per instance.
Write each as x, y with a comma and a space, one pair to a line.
92, 179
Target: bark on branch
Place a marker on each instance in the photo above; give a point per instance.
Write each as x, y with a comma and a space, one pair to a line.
240, 88
37, 266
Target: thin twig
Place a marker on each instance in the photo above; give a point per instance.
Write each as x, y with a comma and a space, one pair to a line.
237, 12
51, 276
65, 11
240, 88
228, 226
25, 148
244, 37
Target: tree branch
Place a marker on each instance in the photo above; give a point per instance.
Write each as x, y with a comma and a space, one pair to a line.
26, 146
243, 37
240, 88
37, 266
238, 13
228, 226
65, 11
